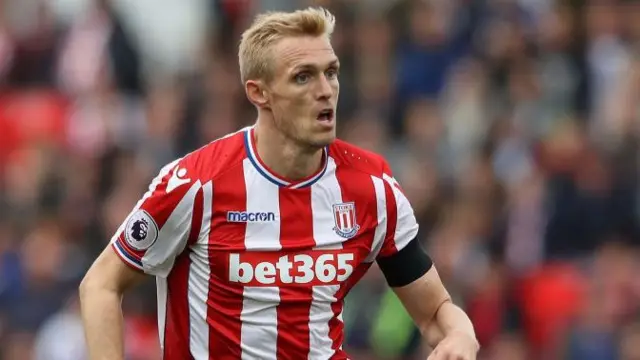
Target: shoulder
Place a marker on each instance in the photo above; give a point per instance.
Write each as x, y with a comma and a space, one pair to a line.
214, 158
351, 156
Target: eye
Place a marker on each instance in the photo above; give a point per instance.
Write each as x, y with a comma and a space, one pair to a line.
302, 78
332, 73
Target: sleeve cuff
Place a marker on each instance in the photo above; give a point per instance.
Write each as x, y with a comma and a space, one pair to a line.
127, 258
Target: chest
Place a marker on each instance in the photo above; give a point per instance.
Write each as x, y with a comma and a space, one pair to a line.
309, 237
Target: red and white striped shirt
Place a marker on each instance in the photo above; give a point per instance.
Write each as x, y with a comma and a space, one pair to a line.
252, 266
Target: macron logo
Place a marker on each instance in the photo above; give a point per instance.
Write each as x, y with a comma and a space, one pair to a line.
177, 179
246, 216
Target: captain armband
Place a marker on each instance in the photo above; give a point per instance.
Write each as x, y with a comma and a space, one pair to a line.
405, 266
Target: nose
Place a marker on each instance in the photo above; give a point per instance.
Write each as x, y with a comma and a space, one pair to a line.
325, 90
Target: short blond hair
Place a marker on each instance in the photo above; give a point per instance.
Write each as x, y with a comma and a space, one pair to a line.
254, 53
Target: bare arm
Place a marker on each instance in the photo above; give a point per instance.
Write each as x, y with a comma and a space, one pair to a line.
100, 299
148, 242
430, 305
415, 280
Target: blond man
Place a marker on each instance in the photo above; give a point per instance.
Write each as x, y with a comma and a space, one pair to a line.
256, 238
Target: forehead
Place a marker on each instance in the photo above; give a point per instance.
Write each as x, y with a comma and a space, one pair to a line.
303, 50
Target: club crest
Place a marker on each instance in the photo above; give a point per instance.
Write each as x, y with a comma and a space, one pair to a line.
345, 220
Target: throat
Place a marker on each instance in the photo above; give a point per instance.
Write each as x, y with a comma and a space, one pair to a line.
296, 166
289, 161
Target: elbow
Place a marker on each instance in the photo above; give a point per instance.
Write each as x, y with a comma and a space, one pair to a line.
86, 285
92, 284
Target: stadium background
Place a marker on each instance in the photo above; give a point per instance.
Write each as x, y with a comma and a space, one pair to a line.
513, 126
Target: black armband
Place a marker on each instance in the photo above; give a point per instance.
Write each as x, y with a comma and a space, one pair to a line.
405, 266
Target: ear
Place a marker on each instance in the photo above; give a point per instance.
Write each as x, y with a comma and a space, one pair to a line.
256, 93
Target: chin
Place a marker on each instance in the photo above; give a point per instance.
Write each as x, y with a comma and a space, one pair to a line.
321, 140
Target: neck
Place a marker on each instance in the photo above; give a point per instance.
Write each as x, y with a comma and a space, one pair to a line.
283, 155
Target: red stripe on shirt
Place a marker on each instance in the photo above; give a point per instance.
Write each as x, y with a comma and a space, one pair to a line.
356, 187
389, 244
225, 299
176, 343
176, 331
295, 301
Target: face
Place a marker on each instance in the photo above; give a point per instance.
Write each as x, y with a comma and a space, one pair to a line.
303, 91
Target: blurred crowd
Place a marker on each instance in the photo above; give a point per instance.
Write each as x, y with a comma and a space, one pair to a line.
513, 126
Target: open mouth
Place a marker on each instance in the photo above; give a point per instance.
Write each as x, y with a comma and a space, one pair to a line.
326, 115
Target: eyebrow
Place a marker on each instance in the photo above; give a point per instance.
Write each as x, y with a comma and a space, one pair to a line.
333, 63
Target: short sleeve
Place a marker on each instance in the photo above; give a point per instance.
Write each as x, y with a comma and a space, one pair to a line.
402, 226
162, 223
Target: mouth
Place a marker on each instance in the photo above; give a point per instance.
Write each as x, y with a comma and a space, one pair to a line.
326, 115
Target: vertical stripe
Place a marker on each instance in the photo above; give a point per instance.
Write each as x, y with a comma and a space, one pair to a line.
199, 282
336, 325
259, 309
293, 312
225, 299
188, 214
406, 224
389, 245
324, 195
175, 229
381, 228
320, 314
356, 187
176, 346
162, 294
